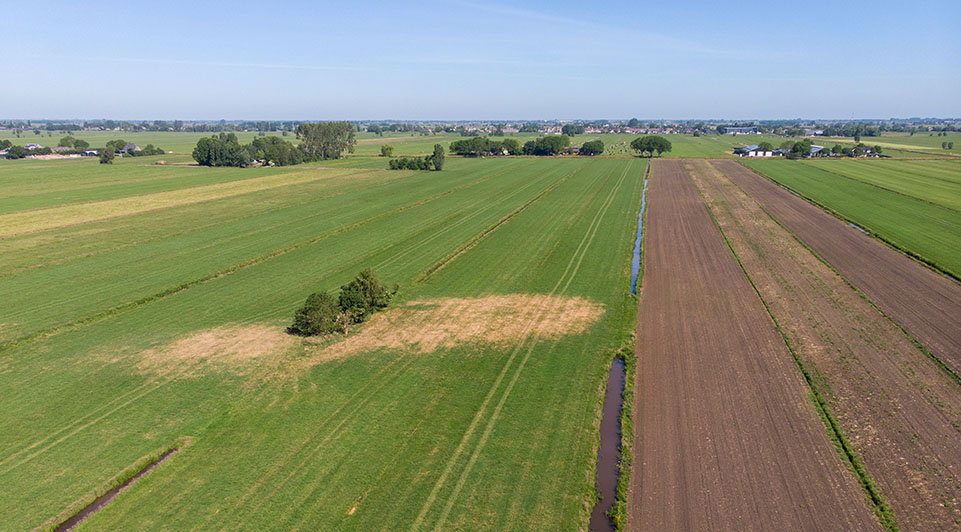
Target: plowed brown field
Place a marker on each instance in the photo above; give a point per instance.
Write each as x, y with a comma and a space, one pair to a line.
925, 303
898, 409
727, 436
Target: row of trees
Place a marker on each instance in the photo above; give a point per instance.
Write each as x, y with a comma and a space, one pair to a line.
549, 145
323, 313
483, 146
435, 161
322, 140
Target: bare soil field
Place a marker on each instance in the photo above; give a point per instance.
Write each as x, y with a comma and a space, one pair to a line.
728, 437
900, 412
925, 303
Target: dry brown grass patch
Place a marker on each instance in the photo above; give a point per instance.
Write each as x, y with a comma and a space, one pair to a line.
232, 348
425, 326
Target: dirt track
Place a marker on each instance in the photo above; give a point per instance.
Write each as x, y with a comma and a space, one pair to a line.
727, 437
897, 408
925, 303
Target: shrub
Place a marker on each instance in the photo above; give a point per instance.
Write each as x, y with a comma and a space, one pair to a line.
317, 316
363, 296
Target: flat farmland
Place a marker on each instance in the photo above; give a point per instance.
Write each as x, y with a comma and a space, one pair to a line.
924, 229
899, 412
937, 182
923, 302
727, 435
472, 403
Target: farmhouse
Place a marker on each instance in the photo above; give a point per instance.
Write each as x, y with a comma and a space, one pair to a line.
32, 146
741, 130
752, 151
130, 148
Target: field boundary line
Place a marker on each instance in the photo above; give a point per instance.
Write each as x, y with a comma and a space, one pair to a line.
121, 482
931, 265
124, 307
173, 234
146, 211
490, 229
578, 255
880, 187
940, 363
847, 452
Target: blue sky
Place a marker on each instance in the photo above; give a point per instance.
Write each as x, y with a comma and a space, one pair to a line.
481, 60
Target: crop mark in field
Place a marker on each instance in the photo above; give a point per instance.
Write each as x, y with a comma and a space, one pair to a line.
569, 272
428, 325
35, 221
188, 230
230, 347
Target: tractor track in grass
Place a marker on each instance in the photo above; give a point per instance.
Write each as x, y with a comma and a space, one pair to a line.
567, 275
726, 435
153, 385
895, 409
922, 301
130, 305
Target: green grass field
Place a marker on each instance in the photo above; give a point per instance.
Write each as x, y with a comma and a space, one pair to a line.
937, 182
908, 219
156, 311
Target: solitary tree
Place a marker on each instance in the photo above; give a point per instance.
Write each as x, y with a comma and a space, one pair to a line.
765, 146
592, 147
386, 150
438, 157
951, 145
107, 155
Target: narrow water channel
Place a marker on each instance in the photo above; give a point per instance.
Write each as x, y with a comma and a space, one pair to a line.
636, 259
608, 455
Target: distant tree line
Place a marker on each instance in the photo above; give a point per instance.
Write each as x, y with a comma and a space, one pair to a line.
322, 140
323, 313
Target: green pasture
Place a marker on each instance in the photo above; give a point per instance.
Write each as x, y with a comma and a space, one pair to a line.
475, 436
916, 226
937, 182
928, 143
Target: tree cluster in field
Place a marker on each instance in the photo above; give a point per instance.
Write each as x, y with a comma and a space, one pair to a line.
549, 145
75, 144
572, 129
857, 151
435, 161
15, 151
592, 147
947, 145
651, 144
323, 140
323, 313
483, 146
